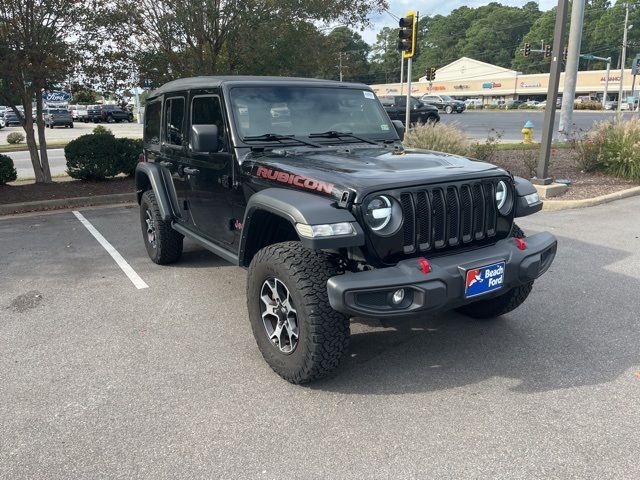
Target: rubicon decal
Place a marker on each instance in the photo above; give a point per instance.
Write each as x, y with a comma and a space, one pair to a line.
295, 180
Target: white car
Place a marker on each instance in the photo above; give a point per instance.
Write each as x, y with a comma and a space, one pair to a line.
2, 122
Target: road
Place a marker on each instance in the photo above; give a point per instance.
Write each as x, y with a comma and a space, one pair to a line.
479, 124
22, 162
104, 380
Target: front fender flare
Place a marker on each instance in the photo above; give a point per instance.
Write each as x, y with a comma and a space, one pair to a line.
302, 207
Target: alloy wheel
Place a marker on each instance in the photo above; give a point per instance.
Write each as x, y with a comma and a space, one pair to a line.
279, 317
151, 229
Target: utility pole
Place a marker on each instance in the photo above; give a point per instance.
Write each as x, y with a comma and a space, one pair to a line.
606, 84
623, 59
552, 94
571, 68
340, 65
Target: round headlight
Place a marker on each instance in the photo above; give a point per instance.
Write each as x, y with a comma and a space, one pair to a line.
383, 215
503, 200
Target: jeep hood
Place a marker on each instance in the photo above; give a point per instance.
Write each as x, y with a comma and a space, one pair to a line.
361, 170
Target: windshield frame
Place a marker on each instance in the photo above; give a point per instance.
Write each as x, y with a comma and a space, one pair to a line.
238, 138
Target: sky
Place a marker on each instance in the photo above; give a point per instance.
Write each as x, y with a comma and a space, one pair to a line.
433, 7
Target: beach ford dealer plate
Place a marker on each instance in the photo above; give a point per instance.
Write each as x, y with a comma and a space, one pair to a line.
484, 280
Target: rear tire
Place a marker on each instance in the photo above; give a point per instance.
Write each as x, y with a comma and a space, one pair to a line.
163, 243
505, 303
313, 338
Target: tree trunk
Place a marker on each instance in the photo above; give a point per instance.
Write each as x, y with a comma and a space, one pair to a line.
44, 156
31, 137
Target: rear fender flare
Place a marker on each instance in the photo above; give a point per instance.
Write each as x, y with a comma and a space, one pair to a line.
153, 176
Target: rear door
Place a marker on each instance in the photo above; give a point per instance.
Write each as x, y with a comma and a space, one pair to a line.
173, 151
211, 184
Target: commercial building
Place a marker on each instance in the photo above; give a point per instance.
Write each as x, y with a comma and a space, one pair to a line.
469, 78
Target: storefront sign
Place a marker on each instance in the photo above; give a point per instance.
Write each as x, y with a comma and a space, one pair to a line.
438, 88
491, 85
611, 80
530, 85
461, 87
390, 90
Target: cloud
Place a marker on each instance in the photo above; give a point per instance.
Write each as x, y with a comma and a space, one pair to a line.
399, 7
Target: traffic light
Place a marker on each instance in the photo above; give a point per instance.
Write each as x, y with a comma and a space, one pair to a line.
635, 68
547, 51
527, 49
565, 53
407, 34
432, 74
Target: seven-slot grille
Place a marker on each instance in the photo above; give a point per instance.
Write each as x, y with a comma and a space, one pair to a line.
447, 216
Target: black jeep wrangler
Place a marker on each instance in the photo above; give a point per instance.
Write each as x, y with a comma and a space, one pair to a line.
306, 183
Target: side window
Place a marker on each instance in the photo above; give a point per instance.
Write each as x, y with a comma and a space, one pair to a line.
152, 123
208, 111
401, 101
174, 120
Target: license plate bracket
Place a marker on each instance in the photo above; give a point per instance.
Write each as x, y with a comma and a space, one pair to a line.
482, 280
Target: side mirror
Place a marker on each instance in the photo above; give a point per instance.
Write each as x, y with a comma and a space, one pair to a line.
204, 138
399, 126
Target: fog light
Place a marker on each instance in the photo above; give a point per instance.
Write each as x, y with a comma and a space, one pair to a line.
398, 296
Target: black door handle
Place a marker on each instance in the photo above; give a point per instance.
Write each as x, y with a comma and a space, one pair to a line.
191, 171
165, 164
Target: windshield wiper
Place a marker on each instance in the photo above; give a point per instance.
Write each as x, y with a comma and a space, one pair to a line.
336, 134
275, 137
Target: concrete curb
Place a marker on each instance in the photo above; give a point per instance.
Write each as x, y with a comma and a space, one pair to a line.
66, 203
552, 205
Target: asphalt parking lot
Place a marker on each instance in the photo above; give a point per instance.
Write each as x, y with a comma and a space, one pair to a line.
61, 134
102, 379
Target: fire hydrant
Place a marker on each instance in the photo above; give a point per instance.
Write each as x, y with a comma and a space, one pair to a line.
527, 132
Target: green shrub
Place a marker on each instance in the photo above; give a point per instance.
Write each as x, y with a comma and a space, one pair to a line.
590, 105
613, 148
471, 106
15, 137
439, 137
8, 172
486, 150
92, 157
100, 130
128, 152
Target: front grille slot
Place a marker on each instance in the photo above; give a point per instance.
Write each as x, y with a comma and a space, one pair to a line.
408, 210
448, 216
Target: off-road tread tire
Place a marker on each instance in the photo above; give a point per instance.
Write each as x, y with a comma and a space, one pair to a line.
495, 307
168, 241
324, 333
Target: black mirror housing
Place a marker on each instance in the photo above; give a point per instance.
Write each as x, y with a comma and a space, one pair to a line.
204, 138
399, 126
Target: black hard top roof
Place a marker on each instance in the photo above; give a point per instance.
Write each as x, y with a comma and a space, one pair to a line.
216, 81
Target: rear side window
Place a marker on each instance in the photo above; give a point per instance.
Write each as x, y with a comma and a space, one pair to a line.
174, 120
152, 123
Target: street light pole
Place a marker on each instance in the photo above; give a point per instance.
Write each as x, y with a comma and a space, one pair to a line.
606, 84
571, 67
623, 57
401, 72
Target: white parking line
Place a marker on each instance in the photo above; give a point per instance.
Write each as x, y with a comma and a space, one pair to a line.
122, 263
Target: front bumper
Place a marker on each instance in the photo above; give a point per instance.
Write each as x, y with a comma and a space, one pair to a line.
369, 293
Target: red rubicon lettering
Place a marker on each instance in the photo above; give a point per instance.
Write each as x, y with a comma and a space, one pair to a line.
296, 180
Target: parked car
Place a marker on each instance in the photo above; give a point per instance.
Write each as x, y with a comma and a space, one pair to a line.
11, 119
476, 102
444, 103
55, 117
513, 104
1, 122
532, 103
420, 112
82, 113
94, 113
330, 214
115, 114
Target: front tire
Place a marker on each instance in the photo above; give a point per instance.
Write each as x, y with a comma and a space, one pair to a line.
163, 243
448, 109
505, 303
298, 333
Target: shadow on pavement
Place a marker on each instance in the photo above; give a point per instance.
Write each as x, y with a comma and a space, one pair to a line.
576, 328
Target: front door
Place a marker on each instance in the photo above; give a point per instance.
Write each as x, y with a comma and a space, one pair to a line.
210, 184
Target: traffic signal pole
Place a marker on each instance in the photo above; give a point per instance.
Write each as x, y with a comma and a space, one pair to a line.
408, 108
542, 173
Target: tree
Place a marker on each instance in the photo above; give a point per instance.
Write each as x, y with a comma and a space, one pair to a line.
35, 54
385, 59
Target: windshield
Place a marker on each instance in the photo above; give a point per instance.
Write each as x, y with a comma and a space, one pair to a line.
301, 111
446, 98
